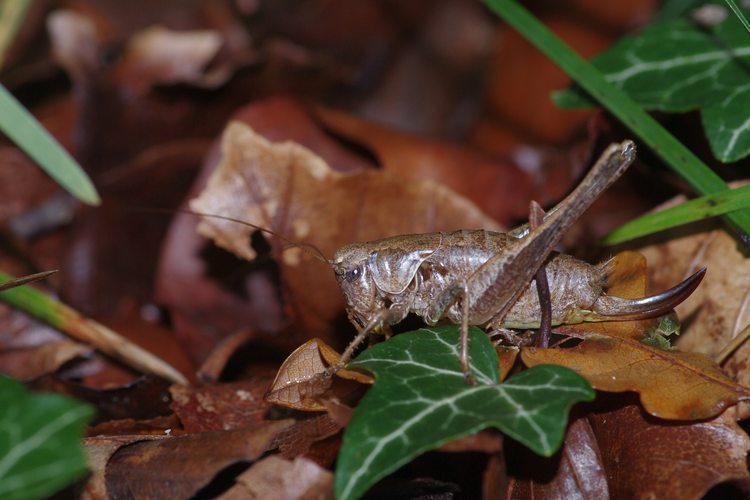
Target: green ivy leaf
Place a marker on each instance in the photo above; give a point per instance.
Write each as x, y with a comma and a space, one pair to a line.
420, 401
40, 435
678, 65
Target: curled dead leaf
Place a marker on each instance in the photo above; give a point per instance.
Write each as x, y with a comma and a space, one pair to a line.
302, 381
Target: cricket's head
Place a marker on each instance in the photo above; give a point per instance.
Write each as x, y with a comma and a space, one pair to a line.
351, 265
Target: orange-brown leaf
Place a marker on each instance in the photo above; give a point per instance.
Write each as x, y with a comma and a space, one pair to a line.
672, 385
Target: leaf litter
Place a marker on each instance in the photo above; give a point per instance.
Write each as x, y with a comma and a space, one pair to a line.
189, 421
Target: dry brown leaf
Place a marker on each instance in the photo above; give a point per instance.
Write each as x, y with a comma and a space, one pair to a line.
99, 450
286, 188
647, 458
128, 426
332, 357
178, 467
507, 358
146, 398
297, 439
33, 362
671, 384
75, 45
576, 471
275, 477
211, 368
718, 310
220, 406
301, 382
500, 188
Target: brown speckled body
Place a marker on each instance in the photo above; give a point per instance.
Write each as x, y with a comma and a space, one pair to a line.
409, 273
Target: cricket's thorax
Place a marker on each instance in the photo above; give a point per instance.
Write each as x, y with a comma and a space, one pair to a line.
410, 273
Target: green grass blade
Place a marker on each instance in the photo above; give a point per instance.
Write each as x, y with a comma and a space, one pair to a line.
738, 12
12, 14
685, 213
24, 130
664, 144
70, 321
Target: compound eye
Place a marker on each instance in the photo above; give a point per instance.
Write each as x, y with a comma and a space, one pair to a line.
353, 274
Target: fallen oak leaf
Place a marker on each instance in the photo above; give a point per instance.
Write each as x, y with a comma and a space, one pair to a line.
212, 367
672, 385
332, 357
160, 56
144, 398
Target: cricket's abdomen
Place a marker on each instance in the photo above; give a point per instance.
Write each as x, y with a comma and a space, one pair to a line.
574, 285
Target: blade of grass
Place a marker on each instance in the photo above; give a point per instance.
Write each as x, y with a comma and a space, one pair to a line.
11, 18
738, 12
684, 213
664, 144
24, 130
71, 322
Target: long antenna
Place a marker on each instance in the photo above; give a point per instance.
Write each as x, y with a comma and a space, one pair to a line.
308, 247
